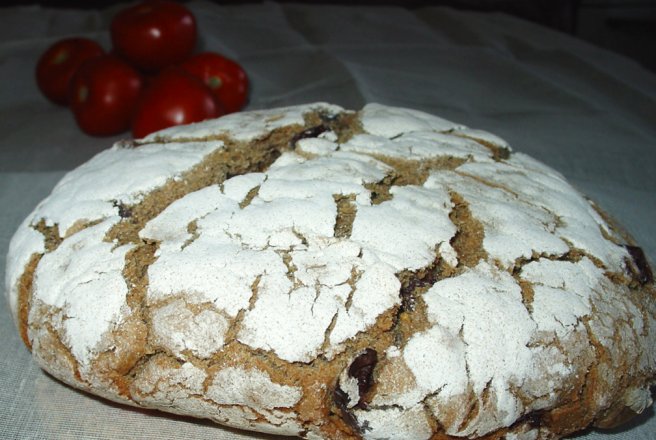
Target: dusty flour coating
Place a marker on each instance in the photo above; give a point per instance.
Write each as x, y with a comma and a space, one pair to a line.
310, 271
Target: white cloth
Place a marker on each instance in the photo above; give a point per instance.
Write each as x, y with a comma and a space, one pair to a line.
586, 112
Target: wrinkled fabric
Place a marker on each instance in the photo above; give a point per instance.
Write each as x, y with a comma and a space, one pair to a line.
586, 112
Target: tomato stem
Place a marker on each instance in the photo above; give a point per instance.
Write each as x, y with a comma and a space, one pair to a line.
60, 57
82, 93
214, 82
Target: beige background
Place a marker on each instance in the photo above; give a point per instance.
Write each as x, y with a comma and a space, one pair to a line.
586, 112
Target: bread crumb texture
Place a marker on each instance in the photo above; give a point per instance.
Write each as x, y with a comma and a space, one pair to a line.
329, 274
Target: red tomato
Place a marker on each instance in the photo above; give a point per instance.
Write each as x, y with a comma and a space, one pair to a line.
58, 64
154, 34
226, 78
103, 94
173, 98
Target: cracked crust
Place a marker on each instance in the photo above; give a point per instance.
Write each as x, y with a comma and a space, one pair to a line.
328, 274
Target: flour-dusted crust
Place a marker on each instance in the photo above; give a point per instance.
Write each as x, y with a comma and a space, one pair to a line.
312, 271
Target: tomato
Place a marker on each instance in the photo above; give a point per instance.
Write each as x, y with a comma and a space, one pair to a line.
103, 94
174, 97
59, 62
225, 77
154, 34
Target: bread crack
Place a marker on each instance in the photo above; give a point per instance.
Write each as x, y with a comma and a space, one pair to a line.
287, 260
489, 183
300, 236
615, 232
411, 316
415, 283
135, 272
51, 235
352, 282
380, 191
233, 159
499, 153
407, 172
346, 212
235, 326
24, 297
311, 132
573, 256
528, 294
325, 345
474, 405
526, 286
50, 348
345, 125
192, 230
416, 172
62, 348
124, 211
577, 412
469, 236
130, 340
249, 197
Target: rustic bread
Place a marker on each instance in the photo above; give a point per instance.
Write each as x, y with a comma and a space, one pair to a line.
329, 274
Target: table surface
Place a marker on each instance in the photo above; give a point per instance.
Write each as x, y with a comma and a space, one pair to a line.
585, 111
